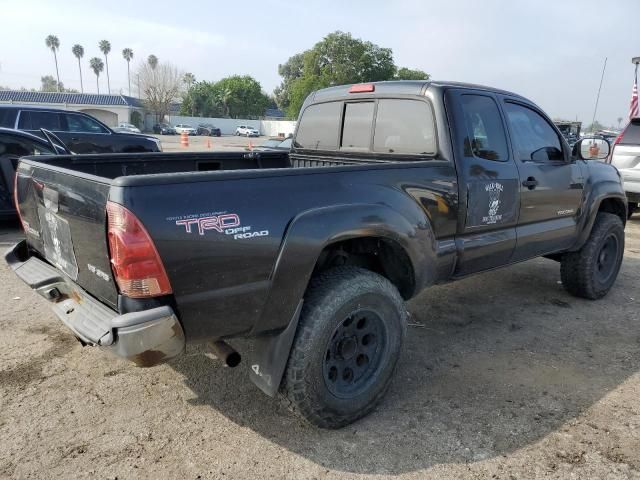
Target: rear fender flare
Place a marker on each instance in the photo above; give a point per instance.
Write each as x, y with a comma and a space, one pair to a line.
306, 237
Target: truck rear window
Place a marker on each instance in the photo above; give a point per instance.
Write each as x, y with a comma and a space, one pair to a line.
319, 127
356, 132
405, 127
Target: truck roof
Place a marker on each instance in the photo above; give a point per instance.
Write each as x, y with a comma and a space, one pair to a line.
399, 87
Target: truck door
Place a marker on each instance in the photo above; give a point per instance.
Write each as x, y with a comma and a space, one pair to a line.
488, 182
551, 186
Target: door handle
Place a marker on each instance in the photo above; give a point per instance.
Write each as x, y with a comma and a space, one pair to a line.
530, 183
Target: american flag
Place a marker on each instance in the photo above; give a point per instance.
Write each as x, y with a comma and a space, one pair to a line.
633, 110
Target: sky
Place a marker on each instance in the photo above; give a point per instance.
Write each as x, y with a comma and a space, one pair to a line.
550, 51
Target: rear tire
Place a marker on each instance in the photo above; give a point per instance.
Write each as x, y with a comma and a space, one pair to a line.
345, 351
591, 271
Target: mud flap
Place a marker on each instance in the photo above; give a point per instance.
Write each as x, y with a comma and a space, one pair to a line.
270, 354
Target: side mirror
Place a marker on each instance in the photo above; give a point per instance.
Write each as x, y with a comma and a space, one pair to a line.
591, 148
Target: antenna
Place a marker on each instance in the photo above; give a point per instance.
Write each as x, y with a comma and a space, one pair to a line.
599, 89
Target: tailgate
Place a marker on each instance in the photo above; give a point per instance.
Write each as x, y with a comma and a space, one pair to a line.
64, 218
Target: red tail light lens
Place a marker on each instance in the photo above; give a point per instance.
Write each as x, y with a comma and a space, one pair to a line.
15, 200
136, 264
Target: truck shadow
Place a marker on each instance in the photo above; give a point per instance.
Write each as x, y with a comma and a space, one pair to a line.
492, 363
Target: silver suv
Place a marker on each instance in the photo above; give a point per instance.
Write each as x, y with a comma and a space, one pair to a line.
626, 158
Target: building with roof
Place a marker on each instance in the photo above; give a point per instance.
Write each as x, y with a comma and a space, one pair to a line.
109, 109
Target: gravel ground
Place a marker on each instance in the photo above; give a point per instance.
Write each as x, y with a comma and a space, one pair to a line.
504, 375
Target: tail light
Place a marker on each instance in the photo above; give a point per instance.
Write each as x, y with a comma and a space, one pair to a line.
135, 262
15, 200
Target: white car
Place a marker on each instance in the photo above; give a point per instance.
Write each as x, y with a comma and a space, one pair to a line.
247, 131
129, 127
183, 127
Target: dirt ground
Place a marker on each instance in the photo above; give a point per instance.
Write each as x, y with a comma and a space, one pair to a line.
504, 375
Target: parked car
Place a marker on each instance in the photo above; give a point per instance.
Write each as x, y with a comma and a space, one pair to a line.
626, 158
247, 131
164, 129
391, 187
130, 127
80, 132
275, 144
208, 130
183, 127
13, 145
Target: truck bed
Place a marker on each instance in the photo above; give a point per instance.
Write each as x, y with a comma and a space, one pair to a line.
125, 165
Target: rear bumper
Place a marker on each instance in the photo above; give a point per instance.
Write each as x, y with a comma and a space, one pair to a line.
147, 338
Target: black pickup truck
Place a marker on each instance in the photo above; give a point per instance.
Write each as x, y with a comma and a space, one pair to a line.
388, 188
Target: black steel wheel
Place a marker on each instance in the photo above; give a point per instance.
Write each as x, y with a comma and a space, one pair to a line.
354, 353
591, 271
348, 341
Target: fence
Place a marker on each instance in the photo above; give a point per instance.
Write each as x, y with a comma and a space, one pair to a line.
270, 128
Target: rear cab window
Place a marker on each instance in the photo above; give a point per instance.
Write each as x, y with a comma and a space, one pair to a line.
404, 127
381, 126
319, 127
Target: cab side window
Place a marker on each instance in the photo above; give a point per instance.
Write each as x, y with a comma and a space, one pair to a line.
533, 138
82, 124
484, 131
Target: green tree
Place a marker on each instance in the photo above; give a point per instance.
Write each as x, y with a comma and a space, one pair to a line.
105, 48
410, 74
337, 59
189, 79
152, 60
235, 97
97, 65
78, 52
53, 43
50, 84
127, 54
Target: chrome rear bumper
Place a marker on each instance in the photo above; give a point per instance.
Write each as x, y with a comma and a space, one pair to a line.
147, 338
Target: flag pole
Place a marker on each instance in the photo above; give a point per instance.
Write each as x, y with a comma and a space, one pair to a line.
595, 109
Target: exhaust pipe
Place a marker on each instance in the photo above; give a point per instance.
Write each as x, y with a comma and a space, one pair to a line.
226, 353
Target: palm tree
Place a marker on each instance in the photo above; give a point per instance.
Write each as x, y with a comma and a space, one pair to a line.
54, 44
153, 61
189, 79
78, 52
225, 96
127, 54
97, 65
105, 48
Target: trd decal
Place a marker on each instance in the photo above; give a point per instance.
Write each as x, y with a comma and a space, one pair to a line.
218, 223
221, 222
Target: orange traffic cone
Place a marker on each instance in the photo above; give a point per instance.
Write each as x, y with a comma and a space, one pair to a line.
208, 142
184, 139
250, 146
